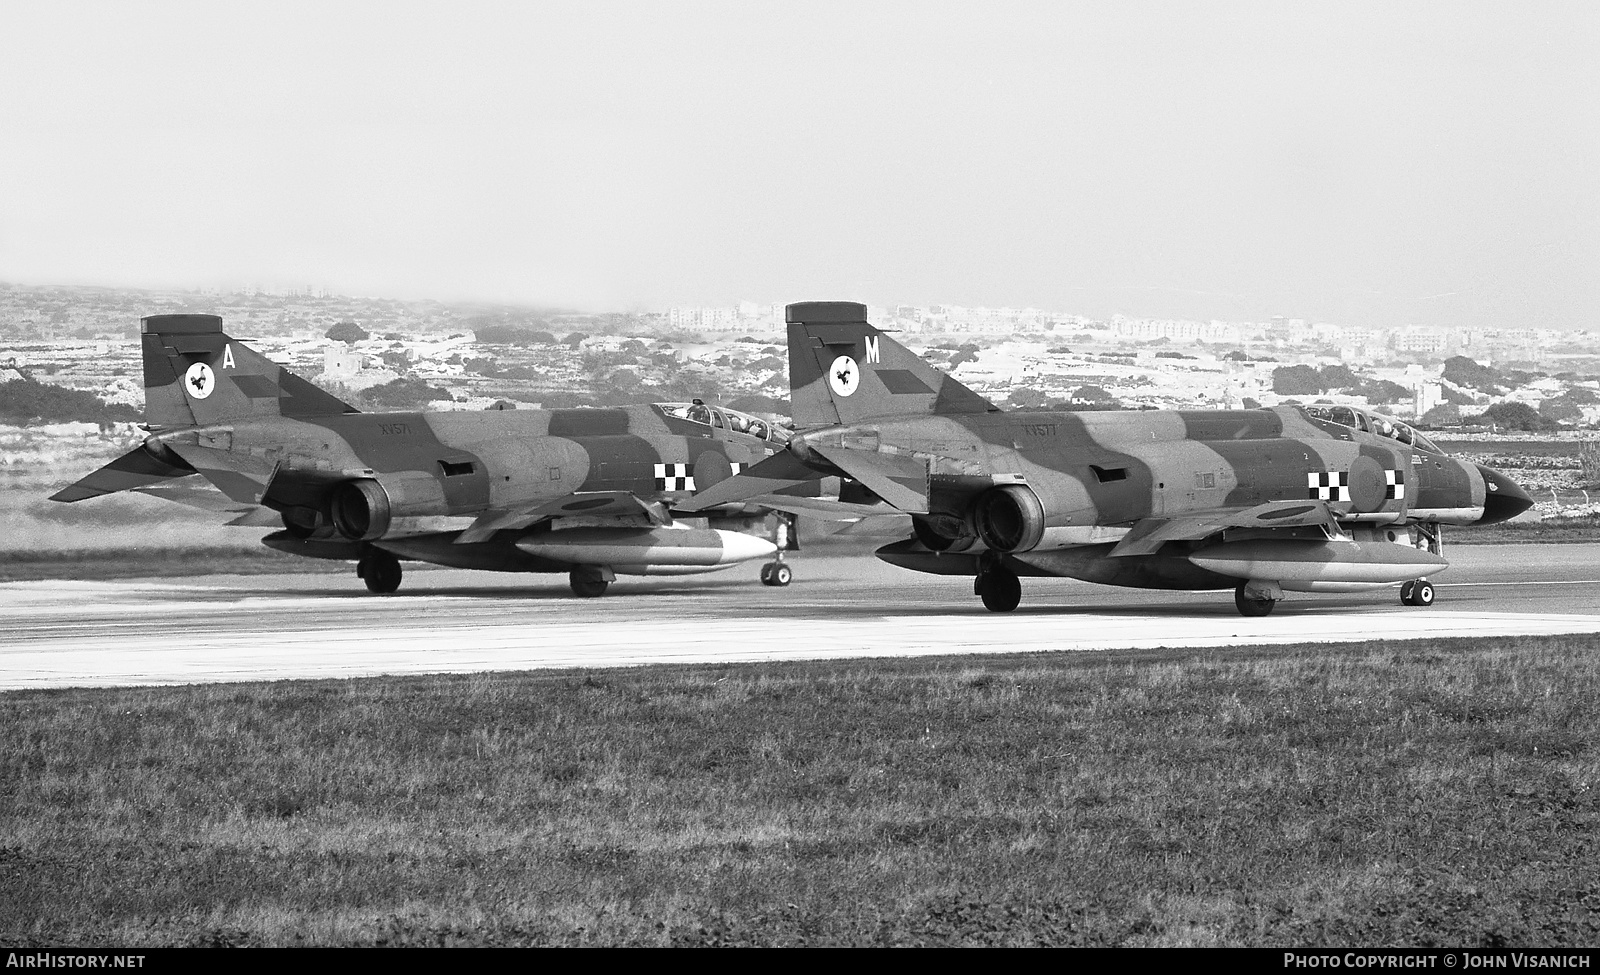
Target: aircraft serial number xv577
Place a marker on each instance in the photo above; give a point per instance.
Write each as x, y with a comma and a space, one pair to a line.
1257, 501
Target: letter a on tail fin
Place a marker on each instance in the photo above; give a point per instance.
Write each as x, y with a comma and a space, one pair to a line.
195, 374
842, 370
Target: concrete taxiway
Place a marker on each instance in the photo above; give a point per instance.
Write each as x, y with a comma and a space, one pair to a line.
272, 627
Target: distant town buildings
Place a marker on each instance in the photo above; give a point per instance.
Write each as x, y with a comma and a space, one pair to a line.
1148, 330
87, 338
714, 319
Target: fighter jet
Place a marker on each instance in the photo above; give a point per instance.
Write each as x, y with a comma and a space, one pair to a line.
1263, 502
589, 492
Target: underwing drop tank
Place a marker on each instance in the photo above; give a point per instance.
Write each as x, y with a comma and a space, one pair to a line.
649, 551
1335, 565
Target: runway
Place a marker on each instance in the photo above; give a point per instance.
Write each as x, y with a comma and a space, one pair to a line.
274, 627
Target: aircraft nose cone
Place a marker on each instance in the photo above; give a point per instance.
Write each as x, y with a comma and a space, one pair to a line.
1502, 498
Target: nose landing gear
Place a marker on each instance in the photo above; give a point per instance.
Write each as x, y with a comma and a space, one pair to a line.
776, 573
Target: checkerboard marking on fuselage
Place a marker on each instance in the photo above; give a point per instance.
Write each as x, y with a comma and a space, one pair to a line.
1328, 485
1335, 485
674, 477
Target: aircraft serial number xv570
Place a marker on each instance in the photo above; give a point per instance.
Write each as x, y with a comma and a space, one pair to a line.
589, 492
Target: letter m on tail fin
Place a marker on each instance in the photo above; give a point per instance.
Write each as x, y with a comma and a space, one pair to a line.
194, 374
842, 370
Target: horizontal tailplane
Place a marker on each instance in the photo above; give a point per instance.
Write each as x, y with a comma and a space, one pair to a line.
139, 467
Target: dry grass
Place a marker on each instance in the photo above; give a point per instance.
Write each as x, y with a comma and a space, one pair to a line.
152, 562
1403, 794
124, 536
1556, 529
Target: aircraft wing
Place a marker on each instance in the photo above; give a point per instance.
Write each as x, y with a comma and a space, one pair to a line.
826, 509
1149, 534
587, 504
135, 469
900, 479
257, 517
893, 525
770, 476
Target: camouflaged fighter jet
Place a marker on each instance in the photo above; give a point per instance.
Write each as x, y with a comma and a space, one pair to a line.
1332, 499
589, 492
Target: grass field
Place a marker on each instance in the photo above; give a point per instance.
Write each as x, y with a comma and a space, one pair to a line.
1387, 793
157, 563
1553, 530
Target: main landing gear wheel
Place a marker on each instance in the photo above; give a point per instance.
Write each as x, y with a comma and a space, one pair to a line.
776, 574
1418, 593
587, 584
1000, 588
1251, 606
380, 571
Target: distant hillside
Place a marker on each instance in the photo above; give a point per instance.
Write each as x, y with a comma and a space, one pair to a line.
23, 401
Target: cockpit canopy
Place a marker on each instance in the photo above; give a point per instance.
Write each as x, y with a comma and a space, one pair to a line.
1367, 421
722, 418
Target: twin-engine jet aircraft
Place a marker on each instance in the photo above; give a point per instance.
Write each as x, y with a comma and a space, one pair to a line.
1257, 501
589, 492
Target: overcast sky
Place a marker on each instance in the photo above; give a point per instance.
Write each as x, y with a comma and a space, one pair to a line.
1363, 163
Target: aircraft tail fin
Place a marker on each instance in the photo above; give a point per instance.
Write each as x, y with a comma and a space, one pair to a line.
196, 375
842, 369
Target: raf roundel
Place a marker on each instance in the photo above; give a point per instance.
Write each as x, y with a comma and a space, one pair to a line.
199, 380
844, 376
